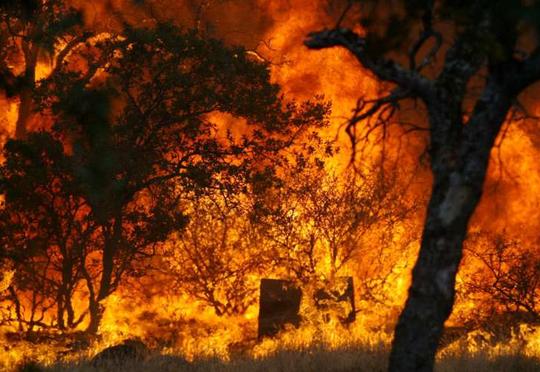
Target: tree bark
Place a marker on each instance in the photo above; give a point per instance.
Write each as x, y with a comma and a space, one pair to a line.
459, 161
96, 314
431, 295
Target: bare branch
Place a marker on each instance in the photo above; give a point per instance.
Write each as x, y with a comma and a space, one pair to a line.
384, 69
68, 48
426, 34
360, 113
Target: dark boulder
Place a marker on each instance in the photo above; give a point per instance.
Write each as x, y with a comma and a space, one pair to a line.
131, 350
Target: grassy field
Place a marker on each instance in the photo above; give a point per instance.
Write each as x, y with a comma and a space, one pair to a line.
313, 359
302, 349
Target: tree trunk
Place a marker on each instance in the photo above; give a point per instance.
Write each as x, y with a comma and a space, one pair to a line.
60, 311
96, 313
459, 161
70, 313
106, 282
24, 112
431, 295
93, 304
95, 308
26, 104
107, 270
18, 310
460, 144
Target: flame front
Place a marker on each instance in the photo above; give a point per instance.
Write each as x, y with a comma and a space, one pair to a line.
181, 320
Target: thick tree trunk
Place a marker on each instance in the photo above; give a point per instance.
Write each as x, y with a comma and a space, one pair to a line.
431, 295
460, 144
459, 161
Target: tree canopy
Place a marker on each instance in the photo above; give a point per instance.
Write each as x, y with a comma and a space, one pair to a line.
134, 129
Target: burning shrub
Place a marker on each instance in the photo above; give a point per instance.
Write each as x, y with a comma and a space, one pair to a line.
219, 256
319, 224
505, 279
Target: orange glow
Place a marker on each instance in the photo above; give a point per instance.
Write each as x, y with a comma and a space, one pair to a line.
179, 323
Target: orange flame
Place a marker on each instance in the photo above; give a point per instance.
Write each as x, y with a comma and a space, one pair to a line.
191, 328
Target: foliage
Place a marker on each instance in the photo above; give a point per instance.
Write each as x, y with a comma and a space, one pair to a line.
133, 135
43, 228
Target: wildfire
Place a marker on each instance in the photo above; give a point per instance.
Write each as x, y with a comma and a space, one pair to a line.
175, 320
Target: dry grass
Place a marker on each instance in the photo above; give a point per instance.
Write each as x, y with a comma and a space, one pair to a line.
314, 359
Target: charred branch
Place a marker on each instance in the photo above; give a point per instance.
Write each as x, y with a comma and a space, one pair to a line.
384, 69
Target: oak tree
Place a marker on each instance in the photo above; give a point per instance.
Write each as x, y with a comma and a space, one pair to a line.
487, 56
136, 118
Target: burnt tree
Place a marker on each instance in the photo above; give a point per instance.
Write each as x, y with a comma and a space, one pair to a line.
490, 44
136, 133
32, 32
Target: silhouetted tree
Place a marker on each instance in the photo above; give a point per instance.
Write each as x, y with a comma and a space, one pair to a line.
219, 256
224, 250
132, 165
488, 45
30, 31
43, 231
